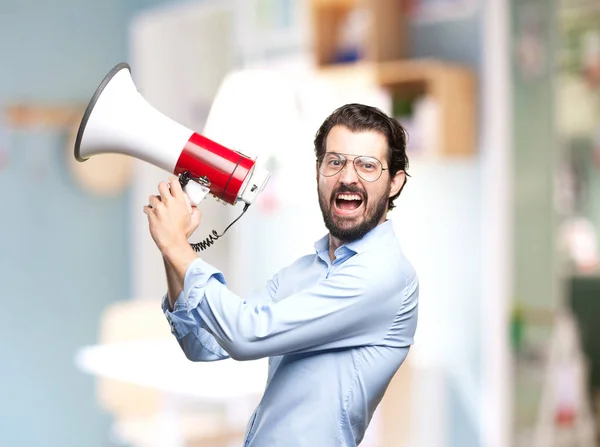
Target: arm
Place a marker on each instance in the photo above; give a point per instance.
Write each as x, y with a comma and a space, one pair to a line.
197, 344
172, 221
354, 306
174, 285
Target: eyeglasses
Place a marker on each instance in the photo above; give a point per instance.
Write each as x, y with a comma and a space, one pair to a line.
368, 168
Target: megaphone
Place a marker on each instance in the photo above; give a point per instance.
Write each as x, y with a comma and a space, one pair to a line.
119, 120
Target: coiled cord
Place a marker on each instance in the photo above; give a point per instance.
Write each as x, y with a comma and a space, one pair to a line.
184, 178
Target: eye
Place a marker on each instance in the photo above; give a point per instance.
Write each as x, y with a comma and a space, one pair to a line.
333, 160
367, 165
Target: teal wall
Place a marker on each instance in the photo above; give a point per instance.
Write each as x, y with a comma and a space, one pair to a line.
536, 271
64, 253
535, 159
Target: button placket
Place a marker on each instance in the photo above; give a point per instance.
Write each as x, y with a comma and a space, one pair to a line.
172, 326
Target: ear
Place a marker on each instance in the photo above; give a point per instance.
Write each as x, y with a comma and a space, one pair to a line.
317, 171
397, 183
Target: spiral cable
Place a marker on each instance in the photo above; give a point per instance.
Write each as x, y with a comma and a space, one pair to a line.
184, 178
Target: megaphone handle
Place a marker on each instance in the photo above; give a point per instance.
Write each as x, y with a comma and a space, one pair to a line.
195, 192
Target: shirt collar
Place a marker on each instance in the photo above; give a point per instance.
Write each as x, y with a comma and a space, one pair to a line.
383, 230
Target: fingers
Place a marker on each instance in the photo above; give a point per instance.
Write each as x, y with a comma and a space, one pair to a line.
154, 201
167, 189
164, 191
176, 190
153, 204
170, 188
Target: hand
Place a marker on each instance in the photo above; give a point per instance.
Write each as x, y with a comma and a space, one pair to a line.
170, 221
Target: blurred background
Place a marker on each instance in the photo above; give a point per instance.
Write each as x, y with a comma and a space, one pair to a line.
501, 99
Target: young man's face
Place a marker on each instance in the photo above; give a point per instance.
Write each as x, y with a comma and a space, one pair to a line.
351, 205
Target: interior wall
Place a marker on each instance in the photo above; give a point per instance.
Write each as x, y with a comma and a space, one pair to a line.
455, 298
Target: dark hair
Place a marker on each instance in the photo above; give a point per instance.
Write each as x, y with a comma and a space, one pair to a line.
360, 118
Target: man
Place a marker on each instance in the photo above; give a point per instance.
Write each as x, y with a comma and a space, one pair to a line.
336, 324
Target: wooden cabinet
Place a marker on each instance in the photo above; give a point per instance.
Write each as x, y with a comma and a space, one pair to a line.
383, 22
452, 89
381, 57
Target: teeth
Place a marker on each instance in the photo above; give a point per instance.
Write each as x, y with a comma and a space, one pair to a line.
349, 197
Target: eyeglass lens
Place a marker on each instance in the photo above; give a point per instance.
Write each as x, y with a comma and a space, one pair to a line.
368, 168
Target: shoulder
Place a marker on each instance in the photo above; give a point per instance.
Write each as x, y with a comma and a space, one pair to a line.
300, 264
384, 261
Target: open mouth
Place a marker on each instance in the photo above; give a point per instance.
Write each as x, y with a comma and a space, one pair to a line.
347, 203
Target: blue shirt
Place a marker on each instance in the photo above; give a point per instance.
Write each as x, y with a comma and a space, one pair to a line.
335, 334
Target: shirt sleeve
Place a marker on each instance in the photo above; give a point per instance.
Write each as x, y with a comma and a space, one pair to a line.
355, 305
197, 343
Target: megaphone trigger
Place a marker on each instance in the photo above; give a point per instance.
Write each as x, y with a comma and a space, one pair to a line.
194, 191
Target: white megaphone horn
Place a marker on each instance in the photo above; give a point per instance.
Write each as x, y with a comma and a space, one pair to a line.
119, 120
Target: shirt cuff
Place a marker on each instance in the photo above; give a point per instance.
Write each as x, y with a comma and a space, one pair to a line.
166, 306
196, 277
194, 283
178, 318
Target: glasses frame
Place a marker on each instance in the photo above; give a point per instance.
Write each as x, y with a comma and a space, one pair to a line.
345, 162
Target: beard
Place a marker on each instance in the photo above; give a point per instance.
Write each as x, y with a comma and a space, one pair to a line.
348, 229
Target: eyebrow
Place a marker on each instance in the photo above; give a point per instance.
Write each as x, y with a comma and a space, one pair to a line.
351, 155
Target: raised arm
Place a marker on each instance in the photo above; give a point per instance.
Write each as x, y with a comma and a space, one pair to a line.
351, 307
369, 299
197, 343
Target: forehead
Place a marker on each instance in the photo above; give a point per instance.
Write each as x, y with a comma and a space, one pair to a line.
370, 142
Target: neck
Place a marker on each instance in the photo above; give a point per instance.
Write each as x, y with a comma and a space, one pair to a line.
334, 244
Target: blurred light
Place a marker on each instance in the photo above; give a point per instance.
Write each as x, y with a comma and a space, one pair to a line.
255, 111
136, 346
160, 364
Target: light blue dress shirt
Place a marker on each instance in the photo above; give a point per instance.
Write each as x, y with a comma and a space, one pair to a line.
335, 334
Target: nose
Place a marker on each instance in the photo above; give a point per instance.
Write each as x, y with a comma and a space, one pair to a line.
348, 175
